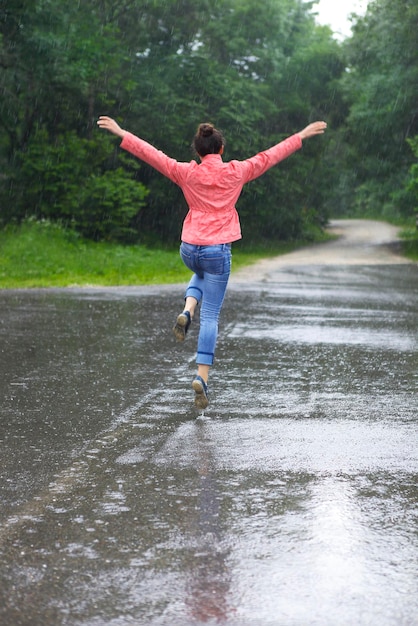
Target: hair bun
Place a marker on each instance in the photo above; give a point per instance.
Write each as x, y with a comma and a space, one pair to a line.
206, 130
207, 140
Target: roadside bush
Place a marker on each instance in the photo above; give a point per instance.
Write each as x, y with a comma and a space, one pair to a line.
413, 181
48, 180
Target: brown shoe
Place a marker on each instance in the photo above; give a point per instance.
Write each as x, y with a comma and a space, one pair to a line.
181, 326
201, 390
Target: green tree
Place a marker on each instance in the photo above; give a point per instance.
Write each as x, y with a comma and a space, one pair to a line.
233, 65
258, 71
64, 183
58, 66
380, 89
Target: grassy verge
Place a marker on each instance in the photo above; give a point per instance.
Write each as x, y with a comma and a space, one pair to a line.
46, 255
409, 237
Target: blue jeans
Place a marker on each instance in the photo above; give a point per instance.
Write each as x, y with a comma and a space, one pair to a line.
211, 266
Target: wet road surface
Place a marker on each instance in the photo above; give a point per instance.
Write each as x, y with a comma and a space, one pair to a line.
292, 501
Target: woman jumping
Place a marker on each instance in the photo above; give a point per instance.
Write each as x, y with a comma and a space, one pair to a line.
211, 189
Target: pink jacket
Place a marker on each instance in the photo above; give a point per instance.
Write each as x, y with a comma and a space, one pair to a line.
212, 187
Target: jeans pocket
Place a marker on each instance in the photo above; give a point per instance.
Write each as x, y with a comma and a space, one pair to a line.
215, 261
186, 257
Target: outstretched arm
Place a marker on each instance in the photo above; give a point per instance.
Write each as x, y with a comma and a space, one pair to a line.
261, 162
109, 124
316, 128
143, 150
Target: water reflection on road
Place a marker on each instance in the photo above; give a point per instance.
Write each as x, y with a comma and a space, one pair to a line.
292, 501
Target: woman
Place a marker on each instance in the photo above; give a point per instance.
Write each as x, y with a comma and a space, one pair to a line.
211, 189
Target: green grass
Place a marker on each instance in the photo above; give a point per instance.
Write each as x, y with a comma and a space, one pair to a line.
409, 236
46, 255
43, 254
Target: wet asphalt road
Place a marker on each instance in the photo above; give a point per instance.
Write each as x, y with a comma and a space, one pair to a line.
292, 501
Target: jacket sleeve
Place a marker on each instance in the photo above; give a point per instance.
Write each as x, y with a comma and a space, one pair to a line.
158, 160
261, 162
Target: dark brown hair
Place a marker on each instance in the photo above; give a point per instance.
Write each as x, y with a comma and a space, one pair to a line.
207, 140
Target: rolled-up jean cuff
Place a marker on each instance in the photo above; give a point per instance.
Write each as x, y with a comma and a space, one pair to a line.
194, 292
204, 358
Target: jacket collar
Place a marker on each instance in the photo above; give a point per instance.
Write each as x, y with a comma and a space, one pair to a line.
211, 157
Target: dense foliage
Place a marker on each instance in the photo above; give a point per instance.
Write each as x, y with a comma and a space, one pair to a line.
259, 71
380, 89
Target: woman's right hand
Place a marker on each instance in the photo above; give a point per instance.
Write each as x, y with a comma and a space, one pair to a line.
109, 124
316, 128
